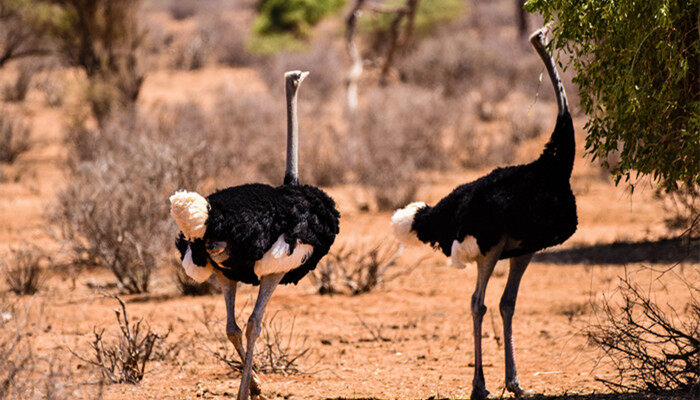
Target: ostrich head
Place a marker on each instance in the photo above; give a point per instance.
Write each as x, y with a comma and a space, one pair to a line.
295, 78
191, 212
538, 39
402, 221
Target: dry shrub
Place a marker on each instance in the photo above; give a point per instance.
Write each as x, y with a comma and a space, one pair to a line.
229, 42
23, 373
123, 361
401, 130
278, 350
191, 54
16, 354
326, 63
114, 209
216, 37
22, 270
458, 62
573, 310
18, 90
183, 9
682, 209
14, 136
358, 268
54, 91
653, 349
253, 127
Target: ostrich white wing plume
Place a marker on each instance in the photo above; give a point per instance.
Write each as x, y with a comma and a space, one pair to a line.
199, 274
191, 212
278, 259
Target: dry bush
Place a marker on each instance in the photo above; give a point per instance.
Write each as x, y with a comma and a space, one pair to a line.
358, 269
324, 60
216, 38
401, 130
682, 209
652, 349
114, 209
123, 361
54, 91
278, 350
183, 9
253, 125
16, 354
325, 278
106, 40
23, 373
457, 62
573, 310
18, 90
22, 271
229, 41
14, 136
191, 54
17, 38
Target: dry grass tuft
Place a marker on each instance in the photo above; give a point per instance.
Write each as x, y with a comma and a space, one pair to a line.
22, 271
279, 349
17, 91
14, 136
359, 269
124, 361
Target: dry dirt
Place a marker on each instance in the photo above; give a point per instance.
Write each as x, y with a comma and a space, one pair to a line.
424, 349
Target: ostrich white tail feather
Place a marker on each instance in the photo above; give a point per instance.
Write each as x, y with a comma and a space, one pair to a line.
402, 221
191, 212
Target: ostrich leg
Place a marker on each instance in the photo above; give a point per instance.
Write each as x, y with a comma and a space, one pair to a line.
268, 283
485, 264
233, 332
518, 265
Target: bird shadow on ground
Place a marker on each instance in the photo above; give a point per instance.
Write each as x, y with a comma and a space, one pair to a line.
667, 251
671, 395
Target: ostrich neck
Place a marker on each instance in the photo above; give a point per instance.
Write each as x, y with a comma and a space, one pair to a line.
554, 77
292, 172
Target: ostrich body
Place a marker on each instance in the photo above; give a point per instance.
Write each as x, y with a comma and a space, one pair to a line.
512, 212
256, 234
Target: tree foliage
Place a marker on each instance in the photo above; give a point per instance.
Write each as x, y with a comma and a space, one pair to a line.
102, 37
636, 65
293, 16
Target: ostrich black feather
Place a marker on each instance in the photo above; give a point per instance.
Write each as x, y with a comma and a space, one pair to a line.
531, 204
250, 218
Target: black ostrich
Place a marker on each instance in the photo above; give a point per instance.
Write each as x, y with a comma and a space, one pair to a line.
256, 234
510, 213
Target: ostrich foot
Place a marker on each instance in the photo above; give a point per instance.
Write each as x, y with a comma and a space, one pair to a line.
519, 392
480, 393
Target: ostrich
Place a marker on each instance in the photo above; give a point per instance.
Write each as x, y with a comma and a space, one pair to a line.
512, 213
256, 234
